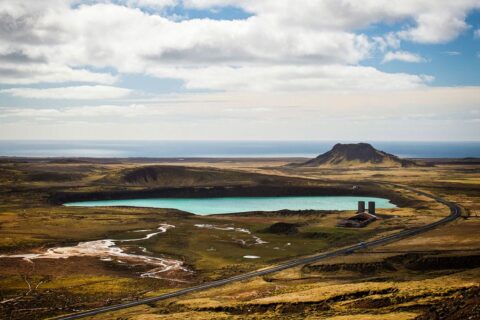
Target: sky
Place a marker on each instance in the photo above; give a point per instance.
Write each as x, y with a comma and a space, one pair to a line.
399, 70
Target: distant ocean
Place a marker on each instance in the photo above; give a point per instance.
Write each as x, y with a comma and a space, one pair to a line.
186, 149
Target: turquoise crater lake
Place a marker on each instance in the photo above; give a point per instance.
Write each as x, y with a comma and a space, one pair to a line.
204, 206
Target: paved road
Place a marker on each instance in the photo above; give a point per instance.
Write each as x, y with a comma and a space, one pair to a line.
455, 213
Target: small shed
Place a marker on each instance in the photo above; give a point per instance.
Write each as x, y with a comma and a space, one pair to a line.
359, 220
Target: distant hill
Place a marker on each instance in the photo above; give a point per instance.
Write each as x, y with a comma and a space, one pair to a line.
356, 155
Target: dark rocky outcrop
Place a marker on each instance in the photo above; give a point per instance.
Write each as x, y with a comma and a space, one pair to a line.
282, 228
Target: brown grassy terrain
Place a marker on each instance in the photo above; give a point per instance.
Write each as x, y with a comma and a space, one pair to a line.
410, 279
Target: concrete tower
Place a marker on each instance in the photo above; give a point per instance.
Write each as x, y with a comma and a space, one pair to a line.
361, 206
371, 207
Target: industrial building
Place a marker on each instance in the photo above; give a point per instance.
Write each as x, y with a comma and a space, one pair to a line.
362, 218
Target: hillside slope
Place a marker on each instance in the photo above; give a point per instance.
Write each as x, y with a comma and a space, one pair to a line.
179, 176
356, 155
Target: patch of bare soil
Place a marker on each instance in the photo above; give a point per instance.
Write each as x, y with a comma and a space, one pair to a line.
410, 262
465, 305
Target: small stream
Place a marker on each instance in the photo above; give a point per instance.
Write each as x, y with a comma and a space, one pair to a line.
109, 250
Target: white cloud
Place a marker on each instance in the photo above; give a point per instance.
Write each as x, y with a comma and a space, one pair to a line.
452, 53
436, 27
291, 64
156, 40
476, 34
157, 4
82, 113
402, 56
390, 40
285, 45
70, 93
293, 78
281, 115
435, 21
24, 73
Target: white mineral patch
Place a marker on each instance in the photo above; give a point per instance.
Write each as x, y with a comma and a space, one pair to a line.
211, 226
107, 250
257, 240
162, 229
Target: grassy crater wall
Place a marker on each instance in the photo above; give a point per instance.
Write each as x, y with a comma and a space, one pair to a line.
232, 191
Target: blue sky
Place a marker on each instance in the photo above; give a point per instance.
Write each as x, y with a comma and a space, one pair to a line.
240, 69
454, 63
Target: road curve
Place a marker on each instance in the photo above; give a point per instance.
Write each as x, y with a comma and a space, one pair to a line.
455, 213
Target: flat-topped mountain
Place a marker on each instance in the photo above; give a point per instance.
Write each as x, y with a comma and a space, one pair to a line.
356, 155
